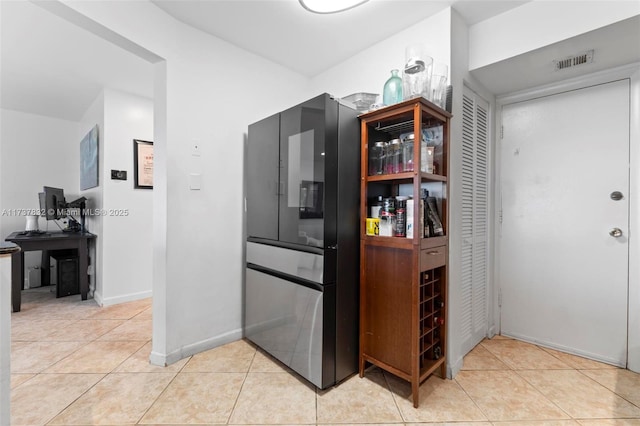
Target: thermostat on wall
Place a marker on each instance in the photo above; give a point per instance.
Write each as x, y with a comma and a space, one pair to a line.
119, 174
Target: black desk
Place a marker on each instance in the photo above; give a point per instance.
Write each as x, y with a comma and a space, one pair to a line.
45, 242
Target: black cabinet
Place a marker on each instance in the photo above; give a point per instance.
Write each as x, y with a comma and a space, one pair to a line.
67, 272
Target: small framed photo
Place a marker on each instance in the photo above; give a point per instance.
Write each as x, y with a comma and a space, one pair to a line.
142, 164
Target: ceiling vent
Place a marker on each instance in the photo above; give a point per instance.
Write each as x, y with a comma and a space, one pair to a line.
573, 61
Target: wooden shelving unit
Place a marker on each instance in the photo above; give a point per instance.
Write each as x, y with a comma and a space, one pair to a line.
403, 281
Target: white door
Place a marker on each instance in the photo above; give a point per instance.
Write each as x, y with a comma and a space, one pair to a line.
563, 277
474, 226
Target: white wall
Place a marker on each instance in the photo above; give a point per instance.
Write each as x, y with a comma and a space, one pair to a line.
369, 70
127, 234
36, 151
94, 223
540, 23
208, 99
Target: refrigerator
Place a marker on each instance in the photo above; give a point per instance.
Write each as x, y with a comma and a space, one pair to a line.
302, 252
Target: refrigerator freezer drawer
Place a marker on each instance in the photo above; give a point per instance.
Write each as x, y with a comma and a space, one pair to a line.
285, 319
300, 264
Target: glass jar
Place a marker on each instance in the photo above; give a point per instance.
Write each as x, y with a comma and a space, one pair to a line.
407, 153
426, 158
392, 159
392, 93
376, 158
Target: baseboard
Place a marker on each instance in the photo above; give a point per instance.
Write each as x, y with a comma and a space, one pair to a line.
454, 368
97, 297
160, 359
492, 332
121, 299
562, 348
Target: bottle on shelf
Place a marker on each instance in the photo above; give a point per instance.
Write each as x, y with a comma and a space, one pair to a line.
438, 304
392, 93
401, 216
437, 352
388, 218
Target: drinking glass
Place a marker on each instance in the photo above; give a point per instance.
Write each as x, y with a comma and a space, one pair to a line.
416, 75
439, 77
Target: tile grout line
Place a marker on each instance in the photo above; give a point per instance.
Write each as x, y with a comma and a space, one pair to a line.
105, 375
605, 387
42, 372
137, 422
83, 345
515, 371
165, 388
393, 395
486, 415
541, 393
246, 375
48, 422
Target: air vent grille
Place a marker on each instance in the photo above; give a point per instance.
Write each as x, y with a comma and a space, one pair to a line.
573, 61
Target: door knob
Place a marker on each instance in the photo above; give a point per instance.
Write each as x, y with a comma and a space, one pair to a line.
616, 195
615, 232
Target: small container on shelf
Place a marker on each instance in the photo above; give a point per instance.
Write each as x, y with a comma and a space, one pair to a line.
377, 154
373, 226
388, 218
392, 158
375, 207
361, 101
426, 159
401, 216
407, 153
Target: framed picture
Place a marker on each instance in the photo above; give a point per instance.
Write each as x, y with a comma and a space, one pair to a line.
89, 160
142, 164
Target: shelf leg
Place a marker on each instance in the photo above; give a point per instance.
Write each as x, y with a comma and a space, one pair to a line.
361, 367
443, 369
415, 388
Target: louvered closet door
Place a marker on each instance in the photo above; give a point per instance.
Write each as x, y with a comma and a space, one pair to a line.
475, 219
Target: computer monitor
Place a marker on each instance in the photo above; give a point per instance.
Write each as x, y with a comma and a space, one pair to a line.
54, 203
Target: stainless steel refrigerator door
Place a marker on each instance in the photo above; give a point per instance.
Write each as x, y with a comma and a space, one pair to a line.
285, 319
308, 266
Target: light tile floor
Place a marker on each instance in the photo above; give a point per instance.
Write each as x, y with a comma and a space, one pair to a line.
74, 363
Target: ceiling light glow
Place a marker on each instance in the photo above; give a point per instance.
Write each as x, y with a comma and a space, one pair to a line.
330, 6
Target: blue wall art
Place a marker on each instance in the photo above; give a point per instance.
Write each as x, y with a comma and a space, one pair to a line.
89, 160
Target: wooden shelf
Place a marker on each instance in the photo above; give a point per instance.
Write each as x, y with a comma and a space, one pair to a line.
403, 281
406, 177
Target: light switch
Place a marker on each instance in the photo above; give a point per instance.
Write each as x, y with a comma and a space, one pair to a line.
195, 181
195, 148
